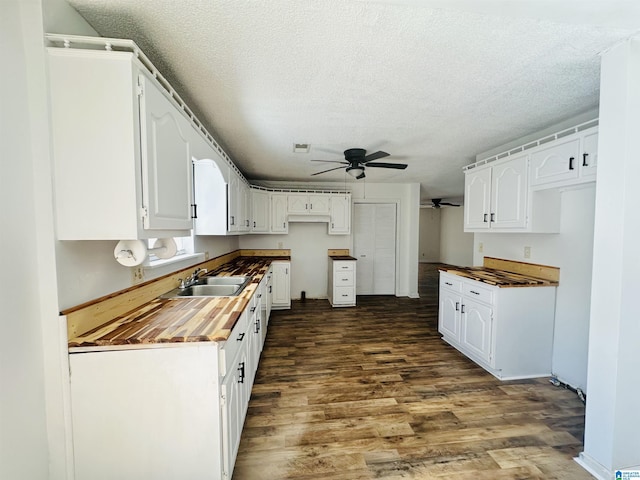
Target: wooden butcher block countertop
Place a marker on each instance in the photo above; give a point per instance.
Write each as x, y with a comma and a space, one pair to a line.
179, 320
508, 273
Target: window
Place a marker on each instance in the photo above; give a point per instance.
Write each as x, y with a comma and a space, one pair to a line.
184, 247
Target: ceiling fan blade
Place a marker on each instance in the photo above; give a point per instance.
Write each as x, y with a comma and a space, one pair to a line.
332, 161
397, 166
362, 175
375, 156
450, 204
325, 171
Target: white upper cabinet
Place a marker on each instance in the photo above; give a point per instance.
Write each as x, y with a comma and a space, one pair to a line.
496, 197
566, 161
556, 162
308, 204
210, 193
477, 199
166, 160
260, 210
122, 157
340, 222
279, 222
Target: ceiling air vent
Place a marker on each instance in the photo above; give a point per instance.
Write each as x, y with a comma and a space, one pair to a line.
301, 147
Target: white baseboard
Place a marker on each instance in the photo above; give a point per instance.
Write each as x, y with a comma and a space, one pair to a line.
593, 467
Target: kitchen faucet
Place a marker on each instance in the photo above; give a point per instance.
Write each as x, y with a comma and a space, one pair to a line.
191, 279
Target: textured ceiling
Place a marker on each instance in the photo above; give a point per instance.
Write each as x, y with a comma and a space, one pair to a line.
432, 82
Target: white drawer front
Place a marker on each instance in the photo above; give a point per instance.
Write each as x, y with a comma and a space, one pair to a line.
341, 266
450, 282
479, 293
344, 295
232, 346
343, 279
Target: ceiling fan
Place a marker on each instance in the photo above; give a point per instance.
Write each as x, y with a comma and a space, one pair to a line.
356, 159
438, 203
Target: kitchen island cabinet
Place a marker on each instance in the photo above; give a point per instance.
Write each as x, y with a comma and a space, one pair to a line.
342, 281
507, 329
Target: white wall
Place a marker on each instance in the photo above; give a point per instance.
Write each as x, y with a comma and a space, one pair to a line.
571, 251
34, 426
309, 243
456, 246
429, 235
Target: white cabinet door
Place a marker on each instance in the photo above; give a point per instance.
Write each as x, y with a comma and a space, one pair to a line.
340, 223
210, 193
260, 203
233, 203
589, 159
166, 161
509, 194
232, 390
281, 285
477, 199
496, 197
319, 204
279, 222
245, 207
556, 162
297, 203
449, 314
475, 333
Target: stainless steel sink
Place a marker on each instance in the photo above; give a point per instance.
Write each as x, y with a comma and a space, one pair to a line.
222, 280
211, 287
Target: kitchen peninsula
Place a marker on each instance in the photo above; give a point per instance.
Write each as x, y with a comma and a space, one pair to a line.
164, 388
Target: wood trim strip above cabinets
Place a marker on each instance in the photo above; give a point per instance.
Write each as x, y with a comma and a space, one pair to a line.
545, 272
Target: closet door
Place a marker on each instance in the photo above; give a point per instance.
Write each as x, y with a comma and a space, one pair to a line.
384, 260
375, 248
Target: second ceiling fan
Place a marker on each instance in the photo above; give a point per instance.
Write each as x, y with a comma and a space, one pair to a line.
356, 159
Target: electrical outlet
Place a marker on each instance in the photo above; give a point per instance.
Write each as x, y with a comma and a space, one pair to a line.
527, 252
280, 245
480, 247
206, 255
137, 274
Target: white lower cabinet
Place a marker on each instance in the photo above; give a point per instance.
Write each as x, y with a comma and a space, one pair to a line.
342, 283
507, 331
168, 412
281, 285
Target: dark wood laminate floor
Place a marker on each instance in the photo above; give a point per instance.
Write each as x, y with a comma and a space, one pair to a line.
372, 392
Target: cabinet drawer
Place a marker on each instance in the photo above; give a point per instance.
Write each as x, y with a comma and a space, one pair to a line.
341, 266
479, 293
344, 295
450, 282
232, 346
343, 279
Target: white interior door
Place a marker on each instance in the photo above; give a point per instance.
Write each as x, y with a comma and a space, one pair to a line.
374, 246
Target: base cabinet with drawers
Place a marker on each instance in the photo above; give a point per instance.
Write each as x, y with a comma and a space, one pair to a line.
507, 331
342, 282
167, 411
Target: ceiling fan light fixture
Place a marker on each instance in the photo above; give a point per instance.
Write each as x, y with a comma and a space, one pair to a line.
356, 171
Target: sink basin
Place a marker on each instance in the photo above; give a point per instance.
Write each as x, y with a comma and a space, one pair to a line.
211, 287
222, 280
